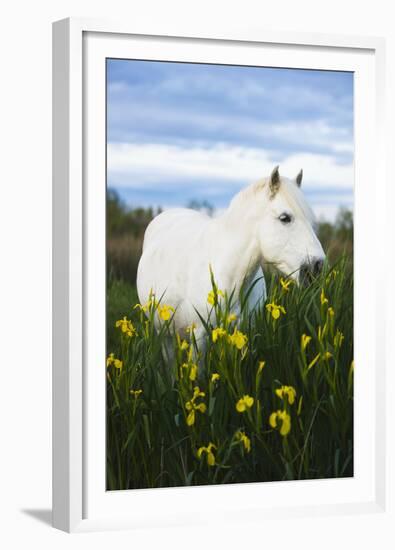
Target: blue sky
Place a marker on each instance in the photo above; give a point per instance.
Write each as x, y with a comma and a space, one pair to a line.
177, 132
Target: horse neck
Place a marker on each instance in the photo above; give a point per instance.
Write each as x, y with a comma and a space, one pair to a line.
239, 244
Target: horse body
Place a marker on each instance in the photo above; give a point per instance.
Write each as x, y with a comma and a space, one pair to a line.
181, 244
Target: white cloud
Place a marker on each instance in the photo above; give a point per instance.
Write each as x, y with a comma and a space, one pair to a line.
135, 165
310, 134
300, 95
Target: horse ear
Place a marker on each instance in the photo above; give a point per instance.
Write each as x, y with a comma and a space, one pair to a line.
299, 178
274, 181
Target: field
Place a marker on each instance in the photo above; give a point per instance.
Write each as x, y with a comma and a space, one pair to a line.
270, 399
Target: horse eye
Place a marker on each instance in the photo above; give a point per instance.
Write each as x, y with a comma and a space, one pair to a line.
285, 218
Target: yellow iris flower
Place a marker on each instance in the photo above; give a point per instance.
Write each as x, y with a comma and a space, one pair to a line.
275, 310
287, 392
214, 377
323, 298
285, 284
244, 403
282, 421
148, 305
238, 339
193, 372
111, 360
136, 393
126, 327
212, 297
191, 328
209, 453
245, 440
304, 341
197, 393
261, 365
334, 273
165, 311
192, 407
338, 339
184, 345
218, 333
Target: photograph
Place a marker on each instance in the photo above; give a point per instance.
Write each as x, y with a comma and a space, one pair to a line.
229, 274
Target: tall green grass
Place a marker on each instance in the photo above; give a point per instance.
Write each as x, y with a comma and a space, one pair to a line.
270, 399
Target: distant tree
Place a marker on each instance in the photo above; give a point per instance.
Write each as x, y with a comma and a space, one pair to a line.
338, 238
125, 233
201, 205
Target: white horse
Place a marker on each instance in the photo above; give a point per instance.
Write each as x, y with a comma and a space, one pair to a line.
267, 222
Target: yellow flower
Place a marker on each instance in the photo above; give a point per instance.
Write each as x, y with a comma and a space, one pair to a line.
201, 407
136, 393
287, 391
331, 312
214, 377
275, 310
244, 403
334, 273
197, 393
282, 421
232, 317
126, 327
212, 297
141, 307
304, 341
147, 306
192, 407
218, 333
209, 453
285, 284
325, 356
111, 360
165, 311
241, 436
238, 339
322, 332
193, 372
324, 299
261, 364
338, 339
184, 345
191, 417
191, 328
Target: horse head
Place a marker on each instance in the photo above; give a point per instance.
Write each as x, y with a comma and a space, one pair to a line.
286, 230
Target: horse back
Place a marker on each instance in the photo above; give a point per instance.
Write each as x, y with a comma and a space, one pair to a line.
169, 221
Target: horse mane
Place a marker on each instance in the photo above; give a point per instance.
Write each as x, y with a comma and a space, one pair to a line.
248, 193
291, 192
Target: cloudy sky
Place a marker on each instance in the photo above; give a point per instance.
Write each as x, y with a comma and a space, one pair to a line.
178, 132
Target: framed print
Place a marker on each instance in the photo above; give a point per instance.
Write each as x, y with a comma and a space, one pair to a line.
214, 198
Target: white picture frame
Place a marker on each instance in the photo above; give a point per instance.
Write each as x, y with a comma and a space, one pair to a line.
80, 501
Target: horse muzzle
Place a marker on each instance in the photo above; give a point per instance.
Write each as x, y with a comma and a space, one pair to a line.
310, 270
